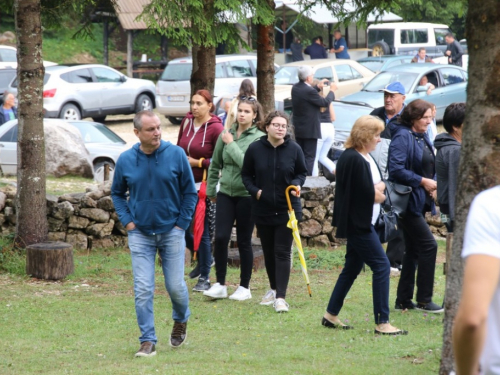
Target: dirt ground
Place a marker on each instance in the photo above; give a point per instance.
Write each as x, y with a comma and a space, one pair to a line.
122, 125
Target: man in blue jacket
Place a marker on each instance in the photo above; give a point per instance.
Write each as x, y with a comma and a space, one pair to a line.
316, 50
162, 199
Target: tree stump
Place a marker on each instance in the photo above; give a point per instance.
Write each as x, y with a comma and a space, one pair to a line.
49, 260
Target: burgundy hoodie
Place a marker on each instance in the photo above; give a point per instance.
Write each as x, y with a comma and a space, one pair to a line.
200, 144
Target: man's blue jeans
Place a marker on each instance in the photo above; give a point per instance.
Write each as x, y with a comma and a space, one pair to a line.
143, 248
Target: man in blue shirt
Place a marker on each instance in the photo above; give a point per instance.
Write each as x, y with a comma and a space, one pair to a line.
316, 49
340, 46
156, 212
8, 111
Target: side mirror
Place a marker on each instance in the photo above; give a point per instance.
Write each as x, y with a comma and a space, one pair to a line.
123, 79
421, 88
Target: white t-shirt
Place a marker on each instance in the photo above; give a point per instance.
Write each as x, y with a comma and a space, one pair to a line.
376, 179
482, 236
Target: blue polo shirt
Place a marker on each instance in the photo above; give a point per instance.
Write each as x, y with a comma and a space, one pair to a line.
343, 54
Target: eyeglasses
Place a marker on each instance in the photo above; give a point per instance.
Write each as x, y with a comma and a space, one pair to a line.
279, 126
249, 98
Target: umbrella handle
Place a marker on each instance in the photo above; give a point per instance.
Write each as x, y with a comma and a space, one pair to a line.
200, 165
287, 193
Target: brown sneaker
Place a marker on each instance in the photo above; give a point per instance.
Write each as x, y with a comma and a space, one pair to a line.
147, 349
178, 335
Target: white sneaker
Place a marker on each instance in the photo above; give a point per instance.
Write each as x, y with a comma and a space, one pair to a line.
216, 291
241, 294
269, 298
280, 305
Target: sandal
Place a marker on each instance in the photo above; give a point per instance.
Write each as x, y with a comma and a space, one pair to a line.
390, 333
325, 322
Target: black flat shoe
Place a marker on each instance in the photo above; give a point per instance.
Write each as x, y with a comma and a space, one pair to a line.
395, 333
325, 322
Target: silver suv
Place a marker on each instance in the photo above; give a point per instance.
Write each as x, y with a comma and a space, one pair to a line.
74, 92
173, 88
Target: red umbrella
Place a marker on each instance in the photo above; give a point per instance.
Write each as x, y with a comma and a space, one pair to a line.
199, 215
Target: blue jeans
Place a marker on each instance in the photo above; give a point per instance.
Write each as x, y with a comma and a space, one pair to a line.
204, 255
143, 248
364, 248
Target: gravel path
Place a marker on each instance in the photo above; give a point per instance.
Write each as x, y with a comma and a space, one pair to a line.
122, 125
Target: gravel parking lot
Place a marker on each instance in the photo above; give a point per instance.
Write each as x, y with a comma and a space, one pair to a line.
122, 125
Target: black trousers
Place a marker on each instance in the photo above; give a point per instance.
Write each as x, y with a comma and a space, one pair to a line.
276, 243
228, 210
308, 147
421, 250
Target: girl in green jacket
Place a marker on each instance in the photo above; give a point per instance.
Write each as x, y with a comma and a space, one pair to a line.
233, 200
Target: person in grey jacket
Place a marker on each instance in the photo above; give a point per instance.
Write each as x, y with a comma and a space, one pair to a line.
448, 147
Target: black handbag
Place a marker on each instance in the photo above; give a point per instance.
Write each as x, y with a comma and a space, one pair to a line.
387, 225
397, 198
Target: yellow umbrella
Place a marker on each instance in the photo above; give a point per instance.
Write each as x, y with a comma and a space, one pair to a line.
293, 225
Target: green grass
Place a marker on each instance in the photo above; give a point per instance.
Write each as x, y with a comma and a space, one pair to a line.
86, 325
57, 185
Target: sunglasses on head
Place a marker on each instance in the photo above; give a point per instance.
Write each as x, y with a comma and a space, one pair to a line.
249, 98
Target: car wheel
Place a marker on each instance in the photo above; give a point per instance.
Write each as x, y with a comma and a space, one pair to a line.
380, 49
99, 170
174, 120
70, 112
99, 119
143, 103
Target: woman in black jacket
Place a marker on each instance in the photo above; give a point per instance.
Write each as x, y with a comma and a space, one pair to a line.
270, 166
412, 162
359, 191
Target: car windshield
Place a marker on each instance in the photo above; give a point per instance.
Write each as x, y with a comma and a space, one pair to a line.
374, 66
346, 115
177, 72
96, 133
383, 79
287, 75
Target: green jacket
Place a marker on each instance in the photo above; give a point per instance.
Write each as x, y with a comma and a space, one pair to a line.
228, 159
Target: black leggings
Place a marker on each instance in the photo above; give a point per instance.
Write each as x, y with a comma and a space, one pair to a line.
276, 243
229, 209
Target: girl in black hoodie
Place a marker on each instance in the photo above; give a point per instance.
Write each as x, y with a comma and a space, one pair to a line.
269, 167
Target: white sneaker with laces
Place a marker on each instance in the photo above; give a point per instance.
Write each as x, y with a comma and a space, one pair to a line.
216, 291
241, 294
280, 305
269, 298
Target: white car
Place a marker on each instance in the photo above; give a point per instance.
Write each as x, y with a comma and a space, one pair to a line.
8, 58
103, 145
349, 75
92, 90
173, 89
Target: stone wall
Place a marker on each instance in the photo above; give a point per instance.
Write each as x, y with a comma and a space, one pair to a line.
88, 220
85, 220
317, 210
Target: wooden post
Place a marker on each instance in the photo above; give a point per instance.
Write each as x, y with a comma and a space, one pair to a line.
106, 172
130, 44
49, 260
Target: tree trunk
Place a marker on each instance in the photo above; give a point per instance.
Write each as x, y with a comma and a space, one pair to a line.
31, 226
265, 64
479, 168
203, 76
49, 260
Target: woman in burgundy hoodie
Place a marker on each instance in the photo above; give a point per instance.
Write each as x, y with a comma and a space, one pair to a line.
198, 135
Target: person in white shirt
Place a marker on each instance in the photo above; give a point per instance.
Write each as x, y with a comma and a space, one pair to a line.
476, 333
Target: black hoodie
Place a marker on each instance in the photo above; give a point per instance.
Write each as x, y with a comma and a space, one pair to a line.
272, 169
447, 159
